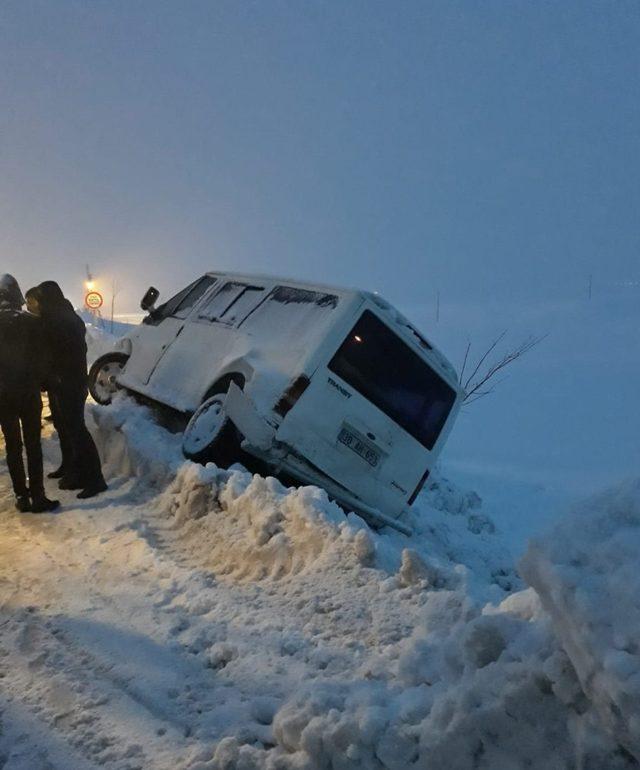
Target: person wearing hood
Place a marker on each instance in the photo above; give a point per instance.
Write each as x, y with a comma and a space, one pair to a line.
33, 307
20, 402
63, 334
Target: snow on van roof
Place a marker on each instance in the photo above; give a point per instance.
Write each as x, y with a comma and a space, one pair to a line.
279, 279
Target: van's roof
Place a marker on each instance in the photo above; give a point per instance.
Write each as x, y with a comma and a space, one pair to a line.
380, 302
279, 279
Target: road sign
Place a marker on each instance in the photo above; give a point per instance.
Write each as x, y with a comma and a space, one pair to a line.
93, 300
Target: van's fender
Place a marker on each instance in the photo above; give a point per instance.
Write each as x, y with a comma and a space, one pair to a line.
123, 345
243, 414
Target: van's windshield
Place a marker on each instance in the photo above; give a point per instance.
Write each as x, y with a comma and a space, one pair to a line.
382, 368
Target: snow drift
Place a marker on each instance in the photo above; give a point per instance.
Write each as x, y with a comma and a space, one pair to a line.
322, 643
254, 527
586, 572
435, 655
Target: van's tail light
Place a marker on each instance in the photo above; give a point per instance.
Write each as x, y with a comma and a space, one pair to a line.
291, 395
418, 489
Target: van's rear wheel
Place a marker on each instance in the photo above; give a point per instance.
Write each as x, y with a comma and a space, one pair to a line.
103, 376
210, 435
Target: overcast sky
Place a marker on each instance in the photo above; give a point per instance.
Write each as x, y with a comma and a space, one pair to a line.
486, 150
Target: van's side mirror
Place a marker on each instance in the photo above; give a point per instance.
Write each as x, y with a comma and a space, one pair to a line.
149, 299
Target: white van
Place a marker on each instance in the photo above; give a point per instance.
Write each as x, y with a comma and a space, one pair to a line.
331, 386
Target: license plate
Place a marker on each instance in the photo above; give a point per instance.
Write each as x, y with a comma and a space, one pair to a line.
362, 448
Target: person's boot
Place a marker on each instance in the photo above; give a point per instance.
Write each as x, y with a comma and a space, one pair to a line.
93, 489
57, 474
23, 503
40, 503
68, 482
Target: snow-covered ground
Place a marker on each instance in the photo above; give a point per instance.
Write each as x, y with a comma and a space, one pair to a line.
194, 618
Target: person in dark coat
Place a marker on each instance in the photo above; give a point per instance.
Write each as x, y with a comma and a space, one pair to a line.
20, 403
33, 307
63, 333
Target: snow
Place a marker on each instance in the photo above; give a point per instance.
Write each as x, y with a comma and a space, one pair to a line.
99, 342
586, 573
198, 619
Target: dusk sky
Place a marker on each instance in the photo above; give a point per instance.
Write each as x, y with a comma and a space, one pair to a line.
488, 151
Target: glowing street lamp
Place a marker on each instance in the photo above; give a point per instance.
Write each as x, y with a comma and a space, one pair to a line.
92, 299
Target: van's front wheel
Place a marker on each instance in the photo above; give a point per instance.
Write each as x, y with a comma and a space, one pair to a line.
210, 436
103, 377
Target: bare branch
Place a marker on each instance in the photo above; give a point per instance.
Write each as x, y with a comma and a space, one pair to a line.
475, 383
476, 397
464, 361
488, 352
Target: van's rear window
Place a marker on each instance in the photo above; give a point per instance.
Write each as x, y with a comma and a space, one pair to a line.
382, 368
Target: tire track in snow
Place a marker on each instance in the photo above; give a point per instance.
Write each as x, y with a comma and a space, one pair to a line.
73, 657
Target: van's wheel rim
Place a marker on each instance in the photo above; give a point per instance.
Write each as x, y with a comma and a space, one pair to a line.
105, 384
204, 426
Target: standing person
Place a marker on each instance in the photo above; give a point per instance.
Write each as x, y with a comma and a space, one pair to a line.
63, 333
33, 307
20, 402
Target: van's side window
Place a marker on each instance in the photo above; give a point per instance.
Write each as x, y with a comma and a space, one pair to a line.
287, 295
296, 317
181, 305
232, 303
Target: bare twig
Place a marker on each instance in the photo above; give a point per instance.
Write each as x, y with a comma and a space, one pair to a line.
483, 358
475, 383
464, 361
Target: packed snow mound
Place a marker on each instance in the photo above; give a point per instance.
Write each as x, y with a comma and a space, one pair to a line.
132, 445
253, 527
586, 572
472, 688
428, 656
457, 529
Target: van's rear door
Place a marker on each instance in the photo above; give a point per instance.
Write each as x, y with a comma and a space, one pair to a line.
372, 414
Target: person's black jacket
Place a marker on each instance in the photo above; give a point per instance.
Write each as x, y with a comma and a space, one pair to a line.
63, 334
22, 359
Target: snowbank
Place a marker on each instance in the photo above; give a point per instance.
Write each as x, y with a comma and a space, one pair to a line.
588, 578
253, 527
131, 444
484, 689
431, 655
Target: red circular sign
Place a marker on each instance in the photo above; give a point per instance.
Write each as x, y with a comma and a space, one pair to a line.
93, 300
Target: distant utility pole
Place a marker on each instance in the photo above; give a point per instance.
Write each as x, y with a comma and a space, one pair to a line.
438, 306
114, 294
590, 285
